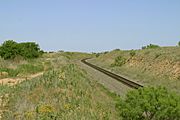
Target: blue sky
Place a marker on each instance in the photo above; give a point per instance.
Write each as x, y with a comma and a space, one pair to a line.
91, 25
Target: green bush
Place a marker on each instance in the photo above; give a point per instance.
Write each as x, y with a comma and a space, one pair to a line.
105, 52
98, 54
116, 50
132, 53
119, 61
29, 50
150, 46
143, 47
150, 103
179, 43
10, 49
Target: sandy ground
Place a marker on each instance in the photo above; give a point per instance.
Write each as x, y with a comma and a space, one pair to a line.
14, 81
108, 82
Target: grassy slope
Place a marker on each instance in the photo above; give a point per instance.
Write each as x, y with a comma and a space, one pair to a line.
64, 92
21, 68
160, 66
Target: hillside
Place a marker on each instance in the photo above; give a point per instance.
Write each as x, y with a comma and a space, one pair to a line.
64, 91
156, 66
57, 86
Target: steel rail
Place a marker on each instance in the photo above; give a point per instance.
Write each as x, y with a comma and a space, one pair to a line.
119, 78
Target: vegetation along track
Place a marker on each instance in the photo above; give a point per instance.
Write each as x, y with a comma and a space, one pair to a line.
115, 76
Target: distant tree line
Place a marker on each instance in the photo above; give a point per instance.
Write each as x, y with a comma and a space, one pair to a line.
28, 50
150, 46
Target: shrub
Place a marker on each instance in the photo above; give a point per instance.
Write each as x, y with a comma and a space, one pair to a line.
10, 49
132, 53
116, 50
150, 46
61, 51
119, 61
179, 43
29, 50
150, 103
98, 54
143, 47
45, 112
105, 52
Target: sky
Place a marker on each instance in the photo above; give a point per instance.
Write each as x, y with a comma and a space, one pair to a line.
90, 25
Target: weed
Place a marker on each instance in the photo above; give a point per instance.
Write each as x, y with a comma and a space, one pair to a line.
157, 55
119, 61
132, 53
29, 68
10, 72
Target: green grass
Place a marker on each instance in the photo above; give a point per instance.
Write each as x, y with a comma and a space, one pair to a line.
10, 72
65, 93
29, 69
22, 70
4, 89
20, 67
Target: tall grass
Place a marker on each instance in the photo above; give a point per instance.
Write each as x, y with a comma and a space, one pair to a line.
22, 70
29, 68
65, 93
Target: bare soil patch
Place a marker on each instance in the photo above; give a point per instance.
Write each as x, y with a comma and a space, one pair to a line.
14, 81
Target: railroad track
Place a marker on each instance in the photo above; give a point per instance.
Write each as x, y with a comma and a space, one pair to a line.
121, 79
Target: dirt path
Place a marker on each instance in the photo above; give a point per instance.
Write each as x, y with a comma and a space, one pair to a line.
110, 83
14, 81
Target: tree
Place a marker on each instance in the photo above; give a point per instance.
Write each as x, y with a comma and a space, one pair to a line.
29, 50
9, 50
150, 103
150, 46
179, 43
143, 47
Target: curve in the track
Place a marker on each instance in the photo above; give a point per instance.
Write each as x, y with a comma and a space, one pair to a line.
112, 75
